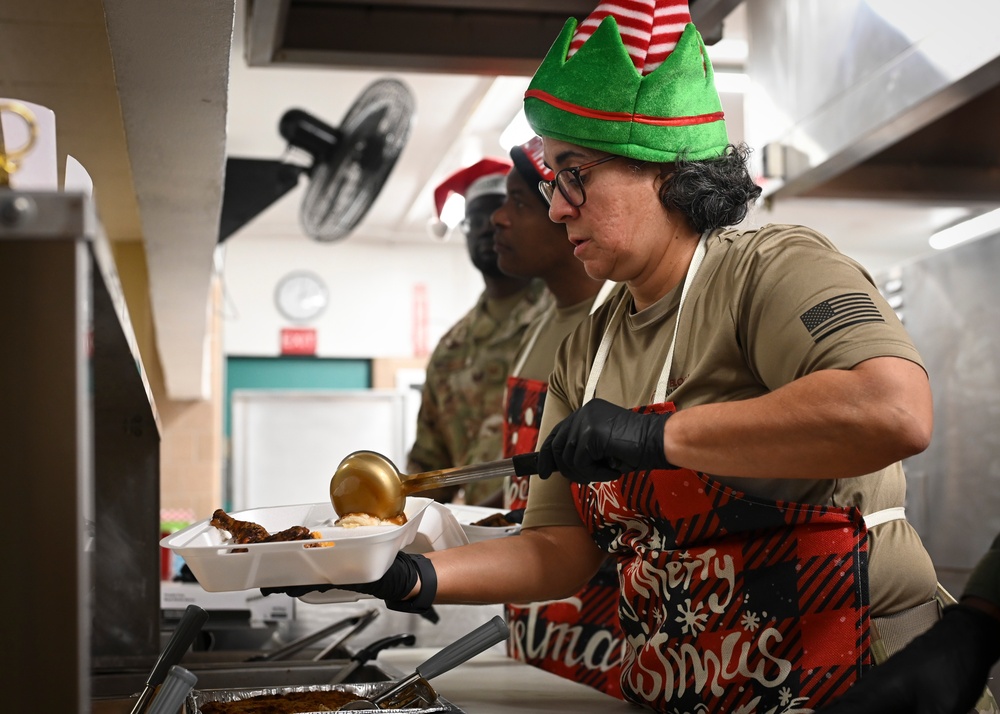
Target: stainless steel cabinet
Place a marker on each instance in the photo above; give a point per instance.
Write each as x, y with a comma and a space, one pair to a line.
79, 455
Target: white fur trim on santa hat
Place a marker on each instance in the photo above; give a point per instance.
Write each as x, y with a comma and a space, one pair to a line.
492, 185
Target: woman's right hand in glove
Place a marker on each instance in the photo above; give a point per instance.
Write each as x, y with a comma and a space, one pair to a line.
601, 441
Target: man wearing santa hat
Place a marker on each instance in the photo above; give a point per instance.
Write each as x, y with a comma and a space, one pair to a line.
460, 420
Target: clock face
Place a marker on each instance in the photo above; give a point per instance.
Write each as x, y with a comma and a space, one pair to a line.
301, 296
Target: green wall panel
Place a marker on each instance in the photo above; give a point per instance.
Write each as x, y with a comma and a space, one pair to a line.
293, 373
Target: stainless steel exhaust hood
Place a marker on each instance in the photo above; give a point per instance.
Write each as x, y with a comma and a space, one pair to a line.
880, 99
488, 37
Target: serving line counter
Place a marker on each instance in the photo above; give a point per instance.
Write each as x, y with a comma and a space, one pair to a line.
490, 683
493, 683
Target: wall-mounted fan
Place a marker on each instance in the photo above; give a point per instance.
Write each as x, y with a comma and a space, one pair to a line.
350, 164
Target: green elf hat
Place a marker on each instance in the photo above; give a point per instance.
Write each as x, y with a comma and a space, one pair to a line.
634, 79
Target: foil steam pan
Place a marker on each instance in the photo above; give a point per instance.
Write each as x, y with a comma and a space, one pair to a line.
368, 690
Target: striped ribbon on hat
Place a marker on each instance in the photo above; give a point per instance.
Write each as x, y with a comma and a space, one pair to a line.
534, 150
650, 29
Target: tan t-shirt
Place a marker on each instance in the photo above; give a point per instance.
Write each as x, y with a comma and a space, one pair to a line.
535, 359
767, 307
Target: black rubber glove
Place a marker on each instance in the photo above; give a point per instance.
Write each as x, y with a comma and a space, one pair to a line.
515, 516
943, 671
393, 587
601, 441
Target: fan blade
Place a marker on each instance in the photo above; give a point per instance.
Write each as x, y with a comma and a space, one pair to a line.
343, 186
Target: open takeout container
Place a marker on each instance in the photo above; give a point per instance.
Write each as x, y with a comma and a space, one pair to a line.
340, 556
438, 530
468, 515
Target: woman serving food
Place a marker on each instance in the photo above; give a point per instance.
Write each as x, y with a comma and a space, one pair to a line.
728, 427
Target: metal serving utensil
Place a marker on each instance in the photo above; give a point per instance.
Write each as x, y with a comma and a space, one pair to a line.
367, 482
301, 643
188, 628
331, 650
366, 654
171, 694
415, 686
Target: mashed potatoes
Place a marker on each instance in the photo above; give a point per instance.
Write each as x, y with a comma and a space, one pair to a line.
356, 520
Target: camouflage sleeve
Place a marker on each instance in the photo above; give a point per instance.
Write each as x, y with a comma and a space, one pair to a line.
985, 579
429, 451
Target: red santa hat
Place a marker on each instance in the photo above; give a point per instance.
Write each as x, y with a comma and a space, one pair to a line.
486, 177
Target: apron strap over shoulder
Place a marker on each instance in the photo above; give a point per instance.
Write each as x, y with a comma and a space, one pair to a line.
884, 516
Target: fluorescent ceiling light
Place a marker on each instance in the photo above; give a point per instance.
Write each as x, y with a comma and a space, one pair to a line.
517, 132
967, 230
731, 82
729, 51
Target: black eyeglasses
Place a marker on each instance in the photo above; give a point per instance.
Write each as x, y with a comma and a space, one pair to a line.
569, 184
475, 223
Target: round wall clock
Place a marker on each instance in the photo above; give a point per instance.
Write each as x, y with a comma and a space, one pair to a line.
301, 296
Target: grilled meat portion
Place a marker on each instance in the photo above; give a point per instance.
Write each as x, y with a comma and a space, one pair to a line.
288, 703
241, 531
293, 533
250, 532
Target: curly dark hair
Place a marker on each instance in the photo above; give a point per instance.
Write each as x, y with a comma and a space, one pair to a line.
712, 193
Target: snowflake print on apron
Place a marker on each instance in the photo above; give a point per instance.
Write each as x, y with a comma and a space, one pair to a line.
729, 603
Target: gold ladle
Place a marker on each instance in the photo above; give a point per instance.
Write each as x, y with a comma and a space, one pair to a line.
367, 482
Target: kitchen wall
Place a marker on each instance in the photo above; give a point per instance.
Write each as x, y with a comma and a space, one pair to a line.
389, 303
372, 312
370, 316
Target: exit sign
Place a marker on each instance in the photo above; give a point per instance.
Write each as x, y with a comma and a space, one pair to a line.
298, 341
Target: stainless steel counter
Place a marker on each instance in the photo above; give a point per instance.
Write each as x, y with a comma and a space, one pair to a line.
493, 683
490, 683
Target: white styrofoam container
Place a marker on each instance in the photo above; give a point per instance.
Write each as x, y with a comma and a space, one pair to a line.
438, 530
357, 555
467, 515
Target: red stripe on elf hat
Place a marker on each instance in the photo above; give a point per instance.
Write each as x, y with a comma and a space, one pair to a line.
622, 116
650, 29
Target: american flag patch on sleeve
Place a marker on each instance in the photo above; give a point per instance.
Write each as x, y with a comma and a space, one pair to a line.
836, 313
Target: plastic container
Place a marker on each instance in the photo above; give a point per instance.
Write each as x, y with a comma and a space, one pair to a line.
467, 515
438, 530
342, 555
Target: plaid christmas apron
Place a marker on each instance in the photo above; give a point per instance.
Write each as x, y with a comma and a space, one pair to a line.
729, 603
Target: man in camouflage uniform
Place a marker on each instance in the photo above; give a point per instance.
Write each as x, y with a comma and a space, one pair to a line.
461, 413
942, 671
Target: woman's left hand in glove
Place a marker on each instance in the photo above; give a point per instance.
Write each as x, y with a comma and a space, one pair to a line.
601, 441
394, 587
